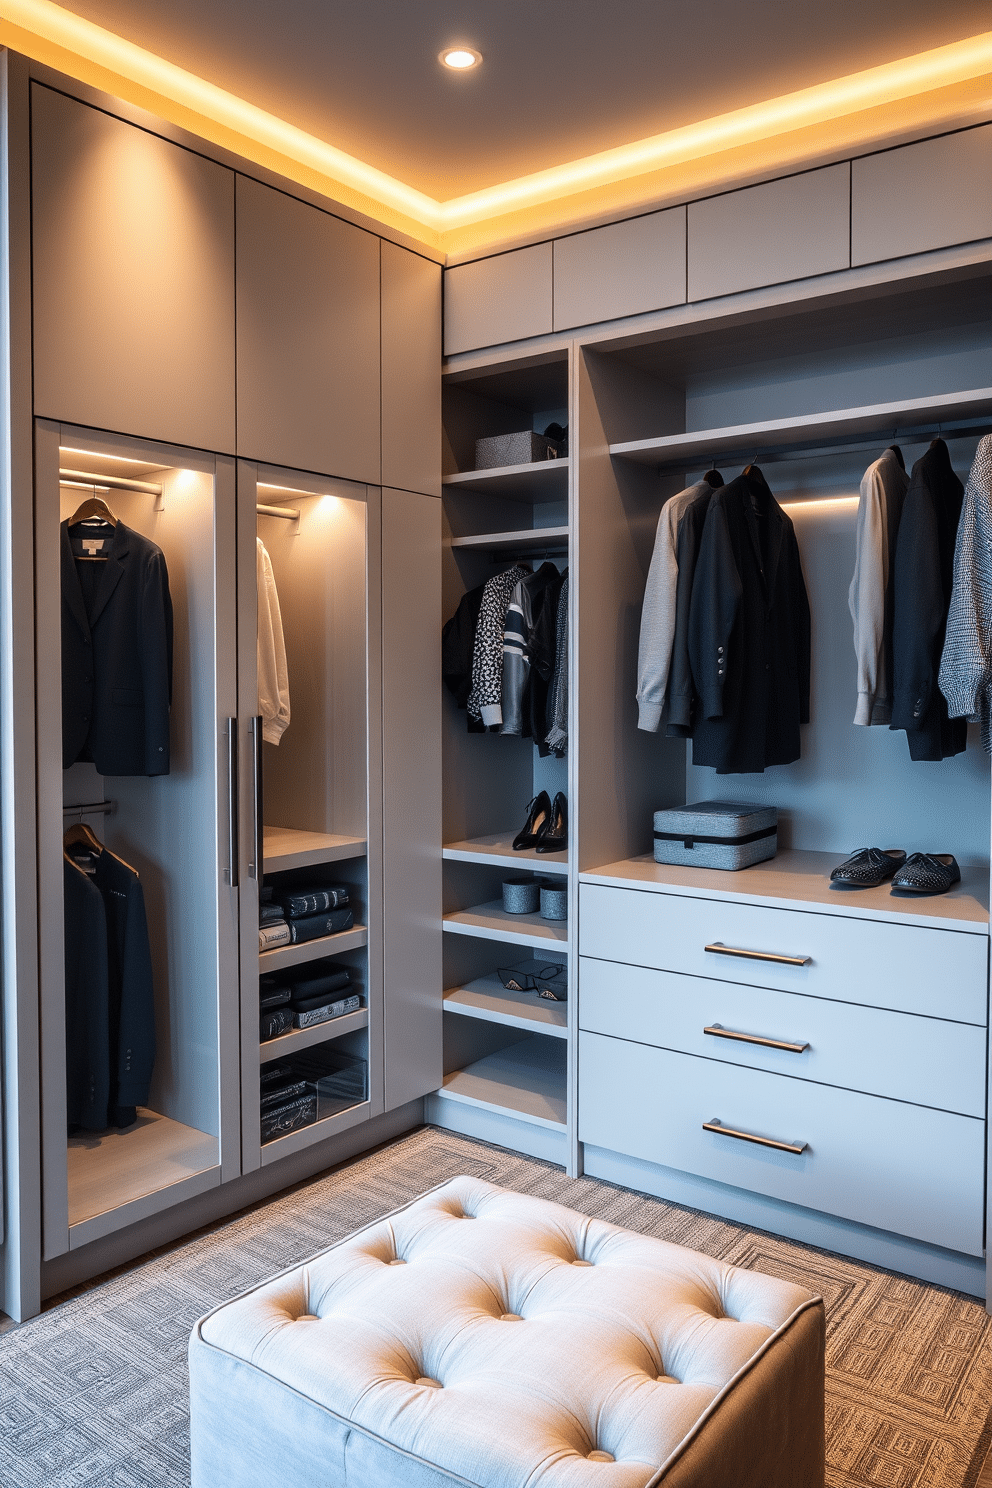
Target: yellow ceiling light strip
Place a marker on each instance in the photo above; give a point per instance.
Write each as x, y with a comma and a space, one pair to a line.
51, 34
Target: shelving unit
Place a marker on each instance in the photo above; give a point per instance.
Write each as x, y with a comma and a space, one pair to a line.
287, 847
491, 922
530, 540
113, 1170
525, 1080
298, 1039
313, 950
497, 850
487, 999
546, 481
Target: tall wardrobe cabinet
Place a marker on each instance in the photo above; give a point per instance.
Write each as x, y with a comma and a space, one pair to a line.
231, 365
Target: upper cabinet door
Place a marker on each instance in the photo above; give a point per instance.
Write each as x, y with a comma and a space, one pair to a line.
623, 269
411, 371
922, 196
308, 337
504, 298
133, 244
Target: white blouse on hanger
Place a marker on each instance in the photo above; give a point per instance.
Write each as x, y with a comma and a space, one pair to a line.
273, 673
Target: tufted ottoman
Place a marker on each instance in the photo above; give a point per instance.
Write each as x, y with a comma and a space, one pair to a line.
488, 1338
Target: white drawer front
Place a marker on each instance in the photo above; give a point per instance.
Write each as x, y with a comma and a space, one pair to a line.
902, 1168
940, 973
928, 1061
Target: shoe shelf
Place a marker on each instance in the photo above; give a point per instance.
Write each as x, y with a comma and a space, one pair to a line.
312, 950
497, 850
526, 1081
492, 922
544, 480
298, 1039
287, 847
796, 878
487, 999
899, 420
530, 540
317, 1131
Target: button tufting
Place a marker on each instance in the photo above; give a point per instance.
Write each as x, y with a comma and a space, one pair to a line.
428, 1383
308, 1317
601, 1457
511, 1317
397, 1261
577, 1262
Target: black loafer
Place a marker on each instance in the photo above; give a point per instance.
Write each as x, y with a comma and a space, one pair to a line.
538, 816
928, 873
868, 867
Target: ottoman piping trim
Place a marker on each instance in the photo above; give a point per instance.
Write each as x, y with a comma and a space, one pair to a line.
718, 1399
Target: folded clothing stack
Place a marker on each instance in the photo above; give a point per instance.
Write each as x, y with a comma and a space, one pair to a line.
289, 1000
340, 1079
294, 916
275, 1014
307, 1088
287, 1101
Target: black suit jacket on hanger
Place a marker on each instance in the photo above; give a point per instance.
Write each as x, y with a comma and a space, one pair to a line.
749, 632
117, 661
924, 573
87, 1022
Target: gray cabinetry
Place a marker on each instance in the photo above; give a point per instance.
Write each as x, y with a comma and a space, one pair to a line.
922, 196
788, 229
503, 298
624, 269
308, 336
411, 387
133, 248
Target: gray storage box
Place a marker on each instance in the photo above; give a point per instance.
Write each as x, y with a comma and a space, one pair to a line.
523, 448
716, 834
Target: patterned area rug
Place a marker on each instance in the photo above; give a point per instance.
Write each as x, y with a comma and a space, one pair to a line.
94, 1393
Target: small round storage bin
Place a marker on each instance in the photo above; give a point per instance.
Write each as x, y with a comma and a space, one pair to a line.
521, 895
554, 901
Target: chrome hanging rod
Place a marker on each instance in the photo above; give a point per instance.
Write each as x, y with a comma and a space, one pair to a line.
89, 808
109, 482
771, 454
289, 513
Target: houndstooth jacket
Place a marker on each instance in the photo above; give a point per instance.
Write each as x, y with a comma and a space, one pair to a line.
966, 665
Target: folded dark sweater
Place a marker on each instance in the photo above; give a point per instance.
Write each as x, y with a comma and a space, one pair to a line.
270, 914
312, 927
313, 901
304, 989
273, 995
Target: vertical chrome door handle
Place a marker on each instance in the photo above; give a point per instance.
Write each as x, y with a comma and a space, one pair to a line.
257, 868
233, 805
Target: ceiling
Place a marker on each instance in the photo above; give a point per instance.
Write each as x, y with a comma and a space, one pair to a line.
561, 79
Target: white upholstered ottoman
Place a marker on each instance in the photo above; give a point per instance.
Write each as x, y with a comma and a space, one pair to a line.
483, 1337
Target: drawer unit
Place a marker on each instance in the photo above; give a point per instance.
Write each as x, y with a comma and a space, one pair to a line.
897, 1167
940, 973
928, 1061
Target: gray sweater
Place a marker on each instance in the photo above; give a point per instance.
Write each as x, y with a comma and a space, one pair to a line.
658, 613
871, 596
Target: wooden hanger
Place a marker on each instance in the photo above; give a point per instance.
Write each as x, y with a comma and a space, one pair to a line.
93, 506
80, 835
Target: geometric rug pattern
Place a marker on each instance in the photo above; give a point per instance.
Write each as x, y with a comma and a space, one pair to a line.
93, 1394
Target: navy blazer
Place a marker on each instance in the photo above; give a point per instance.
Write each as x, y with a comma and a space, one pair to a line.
749, 632
117, 662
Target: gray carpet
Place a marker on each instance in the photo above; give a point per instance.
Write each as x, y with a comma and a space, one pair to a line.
93, 1394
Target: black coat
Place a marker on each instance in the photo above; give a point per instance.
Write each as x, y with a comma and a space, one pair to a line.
117, 660
749, 632
87, 1036
924, 571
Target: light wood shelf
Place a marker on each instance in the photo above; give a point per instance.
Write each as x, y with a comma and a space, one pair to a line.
287, 847
486, 998
542, 480
317, 1131
491, 922
795, 879
110, 1169
527, 1081
531, 539
312, 950
898, 420
498, 850
305, 1038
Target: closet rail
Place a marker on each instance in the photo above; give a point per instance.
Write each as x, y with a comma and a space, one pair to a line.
109, 482
288, 513
89, 808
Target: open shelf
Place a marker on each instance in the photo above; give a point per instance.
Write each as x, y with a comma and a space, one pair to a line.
287, 847
795, 877
110, 1169
486, 998
545, 480
305, 1038
317, 1131
313, 950
527, 1080
894, 421
491, 922
498, 850
530, 540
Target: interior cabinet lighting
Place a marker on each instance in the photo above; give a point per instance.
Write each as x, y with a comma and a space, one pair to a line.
826, 502
88, 454
460, 58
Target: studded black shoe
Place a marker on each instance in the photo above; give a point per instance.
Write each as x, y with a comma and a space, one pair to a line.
928, 873
868, 867
538, 814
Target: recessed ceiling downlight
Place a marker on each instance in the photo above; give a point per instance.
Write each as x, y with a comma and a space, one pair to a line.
460, 58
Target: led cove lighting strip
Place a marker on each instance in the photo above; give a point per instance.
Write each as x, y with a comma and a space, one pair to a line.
908, 77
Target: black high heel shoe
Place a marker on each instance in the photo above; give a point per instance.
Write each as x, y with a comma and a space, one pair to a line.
538, 816
553, 836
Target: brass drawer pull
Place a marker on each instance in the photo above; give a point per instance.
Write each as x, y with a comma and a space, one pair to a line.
741, 1136
719, 949
755, 1038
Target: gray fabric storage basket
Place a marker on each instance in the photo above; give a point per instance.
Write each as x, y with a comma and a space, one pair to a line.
716, 834
522, 448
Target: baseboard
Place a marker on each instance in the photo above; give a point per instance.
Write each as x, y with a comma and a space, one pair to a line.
930, 1263
66, 1271
491, 1126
